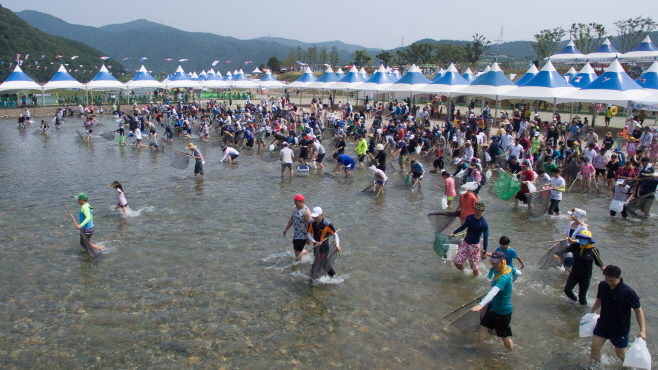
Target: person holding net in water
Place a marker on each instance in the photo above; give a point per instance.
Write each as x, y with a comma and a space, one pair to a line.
299, 221
86, 223
318, 233
499, 313
477, 228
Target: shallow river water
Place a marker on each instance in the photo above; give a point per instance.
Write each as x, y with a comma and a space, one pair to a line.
200, 276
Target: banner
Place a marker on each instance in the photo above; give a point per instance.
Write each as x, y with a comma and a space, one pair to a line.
650, 106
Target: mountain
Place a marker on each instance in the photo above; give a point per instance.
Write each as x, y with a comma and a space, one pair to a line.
344, 50
142, 38
18, 37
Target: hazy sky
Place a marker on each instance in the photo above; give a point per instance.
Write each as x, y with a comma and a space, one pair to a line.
369, 23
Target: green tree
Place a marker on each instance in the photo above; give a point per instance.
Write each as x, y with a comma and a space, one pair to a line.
274, 64
402, 57
312, 55
587, 37
385, 57
323, 58
476, 48
291, 58
546, 42
632, 31
447, 52
333, 56
421, 53
362, 57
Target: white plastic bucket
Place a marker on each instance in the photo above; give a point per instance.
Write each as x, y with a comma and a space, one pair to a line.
450, 254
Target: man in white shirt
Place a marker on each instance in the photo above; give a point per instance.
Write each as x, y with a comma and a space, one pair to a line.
646, 138
231, 154
557, 187
505, 141
590, 153
286, 159
523, 127
631, 126
516, 149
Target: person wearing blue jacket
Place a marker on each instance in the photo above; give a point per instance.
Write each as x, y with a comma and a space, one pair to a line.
477, 228
346, 161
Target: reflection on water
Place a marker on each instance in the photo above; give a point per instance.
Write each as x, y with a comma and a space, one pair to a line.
198, 272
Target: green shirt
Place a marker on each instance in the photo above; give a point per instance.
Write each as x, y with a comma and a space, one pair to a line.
548, 167
361, 147
535, 143
502, 302
608, 113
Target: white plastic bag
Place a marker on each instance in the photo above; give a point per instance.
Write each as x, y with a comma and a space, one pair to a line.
444, 202
638, 355
587, 324
272, 147
487, 157
531, 187
617, 205
418, 148
488, 175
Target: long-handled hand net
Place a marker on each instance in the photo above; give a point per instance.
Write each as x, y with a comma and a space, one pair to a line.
635, 206
538, 203
196, 130
442, 243
296, 152
506, 186
501, 161
268, 156
181, 161
83, 135
108, 135
570, 170
37, 132
466, 320
217, 142
325, 256
547, 261
441, 220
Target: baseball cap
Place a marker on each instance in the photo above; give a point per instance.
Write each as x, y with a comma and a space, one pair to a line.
497, 257
299, 197
82, 196
284, 144
316, 212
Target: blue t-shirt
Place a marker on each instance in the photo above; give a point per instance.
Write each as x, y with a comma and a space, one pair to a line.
510, 255
418, 168
346, 160
403, 148
502, 302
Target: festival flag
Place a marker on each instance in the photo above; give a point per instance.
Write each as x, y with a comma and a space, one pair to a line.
81, 65
35, 63
18, 57
26, 55
66, 64
38, 67
228, 62
10, 64
215, 63
76, 70
51, 62
168, 60
105, 58
59, 56
247, 62
182, 60
43, 56
109, 66
126, 58
69, 70
20, 62
143, 59
74, 57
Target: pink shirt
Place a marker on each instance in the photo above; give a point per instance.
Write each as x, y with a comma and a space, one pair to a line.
450, 187
586, 169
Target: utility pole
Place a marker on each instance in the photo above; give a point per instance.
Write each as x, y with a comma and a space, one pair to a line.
500, 40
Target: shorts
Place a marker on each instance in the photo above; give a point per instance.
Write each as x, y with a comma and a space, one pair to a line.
402, 159
349, 166
88, 233
320, 157
600, 172
499, 323
380, 182
647, 204
450, 199
121, 139
303, 154
617, 340
155, 145
168, 135
288, 165
234, 156
198, 168
586, 176
470, 252
415, 175
568, 262
362, 158
122, 205
298, 244
522, 197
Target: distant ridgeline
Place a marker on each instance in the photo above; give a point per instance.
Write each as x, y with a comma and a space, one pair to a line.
18, 37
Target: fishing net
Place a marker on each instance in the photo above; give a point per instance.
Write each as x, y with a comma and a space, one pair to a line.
415, 186
180, 161
406, 179
86, 244
268, 156
441, 220
501, 161
196, 130
570, 170
547, 260
108, 135
621, 142
469, 321
217, 143
635, 206
296, 152
83, 135
506, 186
538, 203
37, 132
442, 243
430, 155
325, 256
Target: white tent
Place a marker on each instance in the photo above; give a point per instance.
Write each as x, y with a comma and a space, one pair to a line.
104, 80
256, 71
379, 80
447, 83
327, 79
605, 53
181, 80
490, 85
18, 80
351, 80
413, 80
241, 81
63, 80
305, 79
570, 54
547, 85
144, 80
646, 51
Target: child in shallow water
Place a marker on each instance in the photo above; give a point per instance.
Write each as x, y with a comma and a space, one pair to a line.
586, 171
120, 197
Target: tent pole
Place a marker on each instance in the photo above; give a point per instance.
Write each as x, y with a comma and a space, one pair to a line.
301, 92
86, 103
571, 114
43, 99
496, 115
554, 107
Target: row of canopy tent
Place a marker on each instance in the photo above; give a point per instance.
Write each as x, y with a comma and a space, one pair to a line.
646, 52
